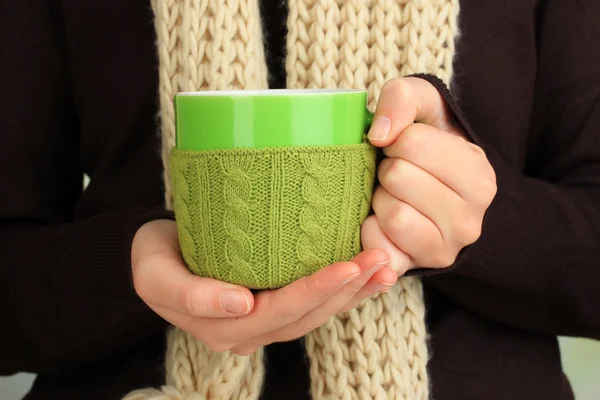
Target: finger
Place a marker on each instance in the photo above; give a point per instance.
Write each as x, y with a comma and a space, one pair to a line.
450, 159
402, 102
319, 315
373, 237
166, 282
293, 302
162, 279
276, 308
412, 185
381, 282
411, 231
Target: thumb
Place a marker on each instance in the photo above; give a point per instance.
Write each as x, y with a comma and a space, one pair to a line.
166, 282
404, 101
209, 298
161, 278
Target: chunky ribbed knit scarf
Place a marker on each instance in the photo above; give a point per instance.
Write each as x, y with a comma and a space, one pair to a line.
378, 350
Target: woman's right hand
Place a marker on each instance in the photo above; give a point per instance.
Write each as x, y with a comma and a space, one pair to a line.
228, 317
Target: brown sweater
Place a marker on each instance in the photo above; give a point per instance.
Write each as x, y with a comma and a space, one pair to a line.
78, 81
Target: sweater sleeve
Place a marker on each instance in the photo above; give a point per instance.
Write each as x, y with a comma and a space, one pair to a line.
537, 264
66, 295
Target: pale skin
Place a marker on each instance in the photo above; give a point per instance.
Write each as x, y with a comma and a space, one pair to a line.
435, 187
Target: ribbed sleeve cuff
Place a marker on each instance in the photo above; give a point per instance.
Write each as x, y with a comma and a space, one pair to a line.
110, 265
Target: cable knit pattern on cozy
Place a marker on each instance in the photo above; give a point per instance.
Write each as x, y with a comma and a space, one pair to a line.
378, 350
314, 190
236, 216
263, 218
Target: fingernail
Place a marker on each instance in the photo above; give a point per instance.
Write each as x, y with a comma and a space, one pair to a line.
383, 287
377, 266
380, 129
349, 279
235, 302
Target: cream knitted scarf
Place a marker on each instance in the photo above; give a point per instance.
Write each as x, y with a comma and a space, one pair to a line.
378, 350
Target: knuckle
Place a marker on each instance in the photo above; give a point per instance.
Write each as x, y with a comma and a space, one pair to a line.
399, 88
141, 286
474, 231
393, 171
378, 198
368, 224
368, 232
443, 259
244, 350
314, 288
217, 345
400, 169
399, 220
492, 185
383, 170
477, 149
411, 139
142, 281
485, 191
468, 230
198, 305
194, 300
311, 284
184, 297
413, 132
351, 289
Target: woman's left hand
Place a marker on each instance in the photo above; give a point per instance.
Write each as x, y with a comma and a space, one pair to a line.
435, 186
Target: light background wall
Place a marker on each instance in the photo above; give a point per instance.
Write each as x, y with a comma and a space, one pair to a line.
581, 362
581, 359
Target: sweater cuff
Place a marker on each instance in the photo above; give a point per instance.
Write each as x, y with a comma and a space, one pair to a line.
111, 264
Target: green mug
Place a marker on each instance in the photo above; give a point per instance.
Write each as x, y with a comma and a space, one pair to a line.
270, 185
270, 118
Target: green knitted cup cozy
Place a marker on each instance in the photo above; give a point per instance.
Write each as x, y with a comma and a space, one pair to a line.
263, 218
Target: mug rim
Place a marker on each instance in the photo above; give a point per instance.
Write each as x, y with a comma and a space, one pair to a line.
266, 92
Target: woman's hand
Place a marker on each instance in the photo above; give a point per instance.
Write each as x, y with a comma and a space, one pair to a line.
228, 317
435, 186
